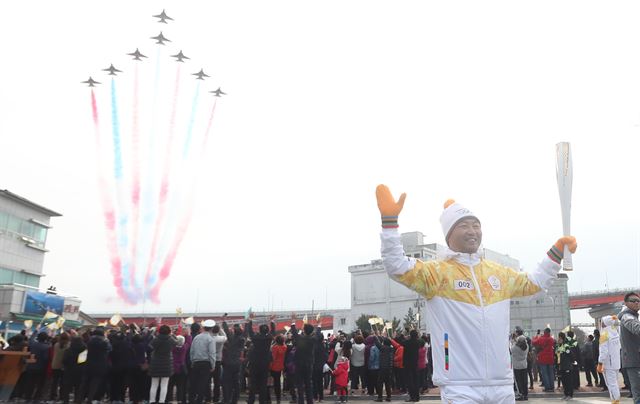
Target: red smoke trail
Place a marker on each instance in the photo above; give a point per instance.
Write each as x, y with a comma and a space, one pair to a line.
108, 209
165, 270
206, 133
164, 186
168, 262
135, 188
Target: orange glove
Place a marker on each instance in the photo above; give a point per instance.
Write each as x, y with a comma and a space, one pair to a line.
557, 250
600, 368
388, 206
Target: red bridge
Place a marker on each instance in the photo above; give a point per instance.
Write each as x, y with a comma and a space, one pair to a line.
585, 300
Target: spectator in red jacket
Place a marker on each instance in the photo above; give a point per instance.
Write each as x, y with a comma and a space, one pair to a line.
278, 352
544, 346
341, 375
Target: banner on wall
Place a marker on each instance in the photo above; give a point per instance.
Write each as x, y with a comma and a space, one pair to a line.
38, 303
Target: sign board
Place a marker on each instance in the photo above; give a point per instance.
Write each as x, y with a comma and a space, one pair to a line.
38, 303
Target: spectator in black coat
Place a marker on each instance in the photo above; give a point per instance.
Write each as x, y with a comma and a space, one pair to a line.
232, 363
73, 371
305, 345
97, 367
122, 358
161, 364
35, 373
320, 356
259, 360
386, 367
410, 362
140, 381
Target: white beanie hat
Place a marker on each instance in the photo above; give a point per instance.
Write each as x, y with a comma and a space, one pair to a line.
452, 213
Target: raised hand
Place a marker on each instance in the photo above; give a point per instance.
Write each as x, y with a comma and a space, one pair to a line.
557, 250
388, 206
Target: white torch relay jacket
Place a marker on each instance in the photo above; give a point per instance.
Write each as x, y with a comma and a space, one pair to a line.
468, 303
610, 344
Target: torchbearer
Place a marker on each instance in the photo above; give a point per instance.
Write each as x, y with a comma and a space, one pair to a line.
609, 358
468, 301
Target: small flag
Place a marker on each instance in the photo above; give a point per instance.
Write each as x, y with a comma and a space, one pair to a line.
49, 314
82, 357
318, 318
60, 321
287, 328
305, 319
28, 323
179, 311
567, 328
248, 314
372, 321
115, 319
188, 320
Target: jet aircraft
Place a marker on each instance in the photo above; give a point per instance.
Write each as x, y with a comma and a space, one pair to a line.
163, 17
180, 57
160, 38
201, 74
218, 92
112, 70
136, 55
91, 82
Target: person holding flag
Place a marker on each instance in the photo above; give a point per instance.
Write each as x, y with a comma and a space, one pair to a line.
469, 300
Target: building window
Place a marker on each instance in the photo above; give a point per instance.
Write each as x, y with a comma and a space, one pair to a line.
7, 277
26, 228
343, 321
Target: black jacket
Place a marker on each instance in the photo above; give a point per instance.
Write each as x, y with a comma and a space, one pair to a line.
260, 354
98, 349
233, 347
386, 354
305, 347
161, 363
410, 355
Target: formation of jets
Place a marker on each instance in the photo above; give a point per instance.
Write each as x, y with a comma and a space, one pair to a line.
160, 40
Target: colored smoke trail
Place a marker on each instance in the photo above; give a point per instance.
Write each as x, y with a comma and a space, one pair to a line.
122, 217
165, 269
205, 141
164, 186
135, 186
175, 207
149, 188
194, 104
107, 207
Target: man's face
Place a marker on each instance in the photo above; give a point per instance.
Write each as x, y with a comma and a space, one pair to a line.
633, 303
466, 236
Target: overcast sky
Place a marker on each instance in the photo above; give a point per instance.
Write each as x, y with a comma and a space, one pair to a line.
462, 100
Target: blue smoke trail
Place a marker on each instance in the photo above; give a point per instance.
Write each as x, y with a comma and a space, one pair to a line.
123, 217
149, 192
177, 201
187, 142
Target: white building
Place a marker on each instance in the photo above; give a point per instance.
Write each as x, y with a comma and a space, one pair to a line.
24, 226
374, 293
